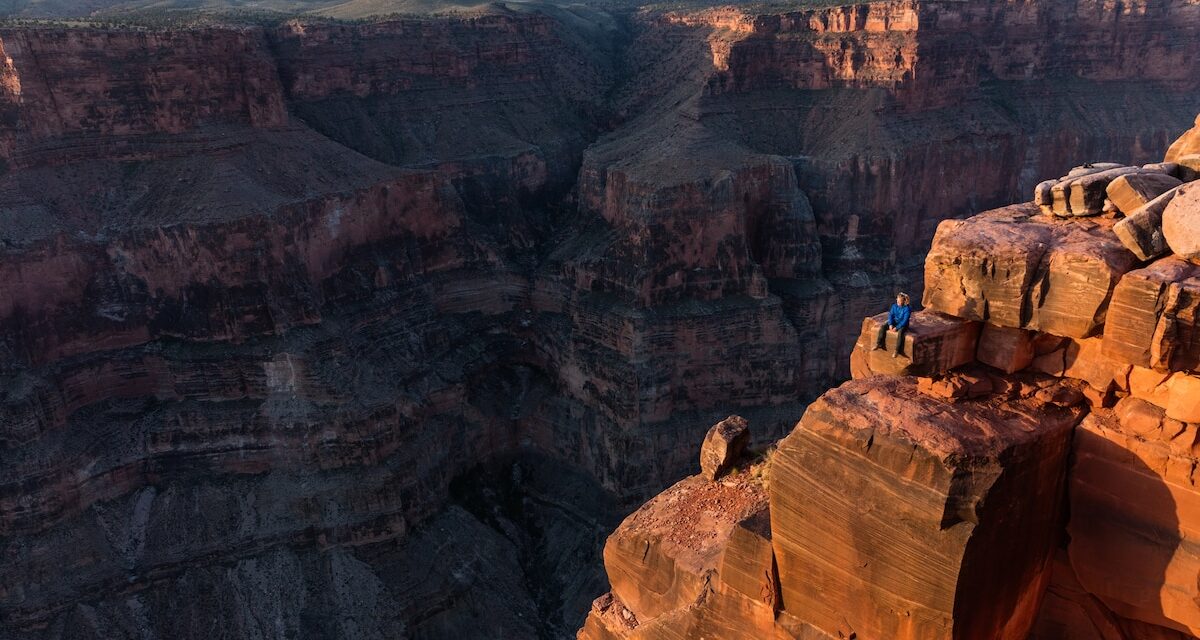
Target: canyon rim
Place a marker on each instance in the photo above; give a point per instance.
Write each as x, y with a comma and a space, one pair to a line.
367, 321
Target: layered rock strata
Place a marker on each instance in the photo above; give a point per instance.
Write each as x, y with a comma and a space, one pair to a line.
1039, 483
272, 296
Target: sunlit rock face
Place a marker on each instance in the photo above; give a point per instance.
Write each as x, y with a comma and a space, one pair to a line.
1023, 467
376, 330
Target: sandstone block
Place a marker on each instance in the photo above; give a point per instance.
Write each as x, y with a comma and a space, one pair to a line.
1135, 517
1169, 168
1154, 317
1184, 402
1005, 348
1085, 360
897, 515
1012, 268
1082, 191
1186, 145
934, 343
1188, 167
665, 554
748, 563
1087, 193
1141, 230
955, 386
723, 445
608, 619
1052, 364
1150, 385
1133, 190
1181, 222
695, 562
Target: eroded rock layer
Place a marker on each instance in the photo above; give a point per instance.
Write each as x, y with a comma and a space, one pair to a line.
271, 296
1038, 482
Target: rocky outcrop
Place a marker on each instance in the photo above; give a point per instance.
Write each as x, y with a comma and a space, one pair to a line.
1180, 219
950, 533
723, 446
1038, 484
357, 308
1014, 268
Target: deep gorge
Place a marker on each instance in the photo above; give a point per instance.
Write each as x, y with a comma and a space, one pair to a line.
378, 329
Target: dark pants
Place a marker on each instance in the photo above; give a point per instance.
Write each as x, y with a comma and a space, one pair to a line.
880, 341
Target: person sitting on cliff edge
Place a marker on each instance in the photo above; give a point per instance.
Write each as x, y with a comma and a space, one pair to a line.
897, 321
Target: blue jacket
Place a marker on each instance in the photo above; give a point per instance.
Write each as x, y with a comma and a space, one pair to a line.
898, 316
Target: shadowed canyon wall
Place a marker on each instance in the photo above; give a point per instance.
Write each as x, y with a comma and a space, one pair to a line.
374, 330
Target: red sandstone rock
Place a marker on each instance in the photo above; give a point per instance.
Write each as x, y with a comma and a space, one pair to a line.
896, 515
1133, 191
1134, 514
1013, 268
934, 343
1141, 230
1187, 144
1086, 360
1085, 195
1154, 317
1181, 222
1070, 612
956, 386
696, 561
1189, 167
723, 446
1005, 348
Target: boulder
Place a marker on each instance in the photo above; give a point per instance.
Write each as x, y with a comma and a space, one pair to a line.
661, 557
1150, 386
1177, 393
1082, 192
1088, 192
933, 344
1184, 403
696, 561
723, 446
898, 515
1013, 268
1005, 348
1187, 144
1154, 317
1141, 230
1133, 190
1169, 168
1134, 526
1188, 167
1181, 222
1085, 360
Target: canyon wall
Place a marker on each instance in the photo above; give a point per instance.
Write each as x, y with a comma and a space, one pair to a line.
1019, 464
373, 330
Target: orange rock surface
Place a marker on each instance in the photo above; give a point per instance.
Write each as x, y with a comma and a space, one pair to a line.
694, 562
896, 515
1038, 480
1154, 317
1015, 268
1134, 512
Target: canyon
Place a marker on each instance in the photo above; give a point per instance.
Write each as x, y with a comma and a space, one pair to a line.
378, 329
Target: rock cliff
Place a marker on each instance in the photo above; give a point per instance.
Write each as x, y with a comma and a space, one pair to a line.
1022, 467
373, 330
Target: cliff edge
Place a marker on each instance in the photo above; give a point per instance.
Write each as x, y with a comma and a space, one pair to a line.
1025, 468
